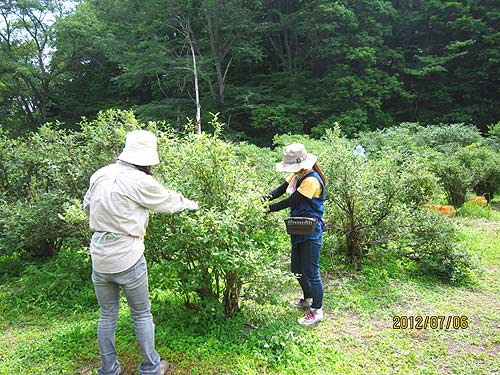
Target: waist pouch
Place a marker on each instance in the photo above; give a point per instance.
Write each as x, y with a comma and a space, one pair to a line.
301, 225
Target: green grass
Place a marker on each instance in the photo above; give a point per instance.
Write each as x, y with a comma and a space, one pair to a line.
48, 319
471, 209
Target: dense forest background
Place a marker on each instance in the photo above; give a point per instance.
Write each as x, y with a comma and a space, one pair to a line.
267, 66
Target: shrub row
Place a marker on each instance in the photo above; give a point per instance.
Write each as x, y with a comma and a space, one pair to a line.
230, 247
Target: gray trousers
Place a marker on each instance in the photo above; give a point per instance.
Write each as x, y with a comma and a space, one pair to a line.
134, 283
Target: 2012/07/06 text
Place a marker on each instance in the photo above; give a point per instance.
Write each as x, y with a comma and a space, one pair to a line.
432, 322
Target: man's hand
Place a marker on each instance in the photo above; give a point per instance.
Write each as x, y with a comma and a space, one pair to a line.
192, 206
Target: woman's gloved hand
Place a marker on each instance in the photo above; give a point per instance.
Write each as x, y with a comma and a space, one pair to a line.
266, 197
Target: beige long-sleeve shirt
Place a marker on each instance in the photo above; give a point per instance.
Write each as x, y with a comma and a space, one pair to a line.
117, 203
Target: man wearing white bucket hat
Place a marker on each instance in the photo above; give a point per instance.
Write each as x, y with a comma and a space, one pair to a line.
117, 203
306, 186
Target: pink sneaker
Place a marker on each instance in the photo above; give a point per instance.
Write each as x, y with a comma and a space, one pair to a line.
302, 303
312, 317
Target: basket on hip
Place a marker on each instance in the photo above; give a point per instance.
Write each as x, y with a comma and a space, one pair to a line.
301, 225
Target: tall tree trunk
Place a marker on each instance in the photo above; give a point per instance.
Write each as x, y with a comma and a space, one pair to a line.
197, 91
185, 29
44, 98
214, 45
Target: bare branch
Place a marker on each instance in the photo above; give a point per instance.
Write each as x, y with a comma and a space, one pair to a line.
227, 68
159, 85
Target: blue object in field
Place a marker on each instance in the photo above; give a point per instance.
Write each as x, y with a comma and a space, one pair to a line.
360, 151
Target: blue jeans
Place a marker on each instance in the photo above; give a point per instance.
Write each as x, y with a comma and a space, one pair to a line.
134, 283
305, 265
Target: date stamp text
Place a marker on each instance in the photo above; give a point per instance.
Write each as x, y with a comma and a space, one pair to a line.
432, 322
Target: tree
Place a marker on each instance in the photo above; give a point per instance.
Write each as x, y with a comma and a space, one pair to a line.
268, 67
87, 75
184, 28
335, 60
27, 75
450, 56
230, 25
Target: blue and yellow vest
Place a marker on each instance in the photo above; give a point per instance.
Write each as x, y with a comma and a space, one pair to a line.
314, 207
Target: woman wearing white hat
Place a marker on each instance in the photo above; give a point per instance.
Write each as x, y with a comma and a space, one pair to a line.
117, 203
306, 186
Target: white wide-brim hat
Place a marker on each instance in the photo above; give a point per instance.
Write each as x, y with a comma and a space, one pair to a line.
295, 158
140, 148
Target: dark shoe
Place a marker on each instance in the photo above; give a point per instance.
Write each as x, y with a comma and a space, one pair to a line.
163, 367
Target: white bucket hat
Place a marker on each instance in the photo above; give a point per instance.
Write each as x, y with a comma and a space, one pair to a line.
140, 148
295, 158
